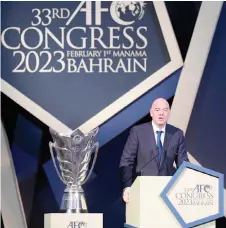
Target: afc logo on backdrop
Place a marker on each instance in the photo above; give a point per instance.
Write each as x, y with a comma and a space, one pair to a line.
118, 10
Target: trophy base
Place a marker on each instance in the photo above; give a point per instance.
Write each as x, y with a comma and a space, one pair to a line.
73, 200
73, 211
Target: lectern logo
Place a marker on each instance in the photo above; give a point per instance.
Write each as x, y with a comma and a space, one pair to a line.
198, 195
77, 224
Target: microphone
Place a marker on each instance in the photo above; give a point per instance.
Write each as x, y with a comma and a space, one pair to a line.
141, 172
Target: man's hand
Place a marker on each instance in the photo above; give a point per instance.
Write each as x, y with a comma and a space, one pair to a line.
126, 194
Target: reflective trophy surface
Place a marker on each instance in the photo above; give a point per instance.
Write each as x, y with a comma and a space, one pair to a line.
73, 156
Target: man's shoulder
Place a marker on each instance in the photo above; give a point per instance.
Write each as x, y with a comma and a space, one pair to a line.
172, 129
142, 126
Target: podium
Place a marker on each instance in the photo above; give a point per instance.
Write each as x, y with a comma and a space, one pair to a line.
64, 220
147, 209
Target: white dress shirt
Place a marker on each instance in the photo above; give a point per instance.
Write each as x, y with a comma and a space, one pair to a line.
155, 129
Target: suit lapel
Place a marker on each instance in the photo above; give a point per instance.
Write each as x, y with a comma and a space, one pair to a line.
153, 150
167, 139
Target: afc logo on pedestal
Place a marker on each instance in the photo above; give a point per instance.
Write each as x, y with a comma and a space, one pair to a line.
77, 224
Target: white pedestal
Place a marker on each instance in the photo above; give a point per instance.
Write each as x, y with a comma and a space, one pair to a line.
64, 220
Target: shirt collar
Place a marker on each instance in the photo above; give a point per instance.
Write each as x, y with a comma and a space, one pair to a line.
156, 128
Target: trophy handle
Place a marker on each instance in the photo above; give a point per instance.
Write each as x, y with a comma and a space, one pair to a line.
96, 145
54, 162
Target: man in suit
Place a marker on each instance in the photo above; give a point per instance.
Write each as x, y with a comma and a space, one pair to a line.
152, 148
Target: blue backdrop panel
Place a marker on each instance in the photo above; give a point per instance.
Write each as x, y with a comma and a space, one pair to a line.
83, 94
25, 153
206, 130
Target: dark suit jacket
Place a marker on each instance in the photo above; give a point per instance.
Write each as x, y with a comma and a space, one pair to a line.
140, 152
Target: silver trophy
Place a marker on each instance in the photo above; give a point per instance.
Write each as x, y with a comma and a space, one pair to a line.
73, 154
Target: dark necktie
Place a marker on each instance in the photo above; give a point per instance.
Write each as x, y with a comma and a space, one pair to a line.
159, 144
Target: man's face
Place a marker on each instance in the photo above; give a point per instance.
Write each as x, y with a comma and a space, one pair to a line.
160, 112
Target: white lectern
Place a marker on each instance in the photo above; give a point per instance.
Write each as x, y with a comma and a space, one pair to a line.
147, 209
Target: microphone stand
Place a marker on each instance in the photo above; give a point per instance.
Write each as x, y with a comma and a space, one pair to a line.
142, 170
